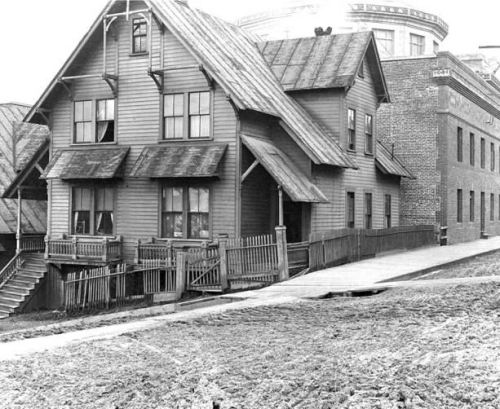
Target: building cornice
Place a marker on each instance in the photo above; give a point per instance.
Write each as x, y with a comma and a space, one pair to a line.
437, 24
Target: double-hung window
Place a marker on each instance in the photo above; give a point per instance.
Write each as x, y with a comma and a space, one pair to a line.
369, 134
92, 211
94, 121
492, 156
417, 45
483, 153
139, 36
186, 115
472, 149
173, 113
185, 212
471, 206
83, 122
350, 210
385, 41
368, 210
459, 205
387, 211
460, 152
492, 207
351, 129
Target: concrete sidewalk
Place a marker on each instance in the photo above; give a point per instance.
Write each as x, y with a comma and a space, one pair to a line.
368, 272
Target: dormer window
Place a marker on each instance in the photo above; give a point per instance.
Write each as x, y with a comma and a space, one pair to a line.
139, 36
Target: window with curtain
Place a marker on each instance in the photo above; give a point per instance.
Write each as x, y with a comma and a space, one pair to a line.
198, 213
82, 207
105, 120
104, 218
369, 134
351, 129
173, 212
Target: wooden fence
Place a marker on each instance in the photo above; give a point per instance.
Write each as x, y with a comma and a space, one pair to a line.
347, 245
104, 287
298, 257
252, 258
203, 270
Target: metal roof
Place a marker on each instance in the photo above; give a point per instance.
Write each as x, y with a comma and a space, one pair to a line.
12, 134
179, 161
331, 61
237, 65
232, 58
294, 182
390, 164
97, 163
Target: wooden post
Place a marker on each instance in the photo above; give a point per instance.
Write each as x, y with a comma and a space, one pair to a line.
46, 247
19, 224
137, 252
223, 265
105, 249
180, 282
282, 253
280, 205
75, 247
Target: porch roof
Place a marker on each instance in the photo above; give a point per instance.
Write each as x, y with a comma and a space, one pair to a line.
389, 163
295, 183
96, 163
179, 161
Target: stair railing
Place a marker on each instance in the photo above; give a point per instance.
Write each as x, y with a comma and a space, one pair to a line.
9, 270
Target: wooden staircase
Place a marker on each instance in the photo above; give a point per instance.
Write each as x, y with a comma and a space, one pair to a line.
20, 280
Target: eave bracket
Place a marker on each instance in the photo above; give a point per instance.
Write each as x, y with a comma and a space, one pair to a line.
158, 77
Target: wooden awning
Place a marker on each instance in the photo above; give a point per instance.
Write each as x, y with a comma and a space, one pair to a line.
79, 164
179, 161
389, 164
294, 182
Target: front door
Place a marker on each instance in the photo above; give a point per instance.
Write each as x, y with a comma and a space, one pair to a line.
292, 218
483, 212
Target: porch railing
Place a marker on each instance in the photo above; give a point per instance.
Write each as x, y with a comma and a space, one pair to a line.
8, 271
33, 243
85, 248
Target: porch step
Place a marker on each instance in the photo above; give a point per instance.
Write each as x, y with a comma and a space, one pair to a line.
19, 288
206, 289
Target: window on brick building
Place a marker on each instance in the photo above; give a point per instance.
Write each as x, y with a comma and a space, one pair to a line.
492, 206
435, 47
387, 211
471, 206
368, 210
351, 129
369, 134
460, 144
459, 206
492, 156
417, 45
385, 41
350, 210
483, 153
472, 149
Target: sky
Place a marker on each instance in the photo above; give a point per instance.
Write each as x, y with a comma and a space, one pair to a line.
36, 37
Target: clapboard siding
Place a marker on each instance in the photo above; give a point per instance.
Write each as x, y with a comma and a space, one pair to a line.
137, 206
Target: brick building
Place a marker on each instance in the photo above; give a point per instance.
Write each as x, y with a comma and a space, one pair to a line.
444, 121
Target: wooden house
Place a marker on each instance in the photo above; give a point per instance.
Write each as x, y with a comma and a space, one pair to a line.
169, 123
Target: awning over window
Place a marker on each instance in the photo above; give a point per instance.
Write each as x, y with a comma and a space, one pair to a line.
179, 161
389, 164
96, 163
293, 181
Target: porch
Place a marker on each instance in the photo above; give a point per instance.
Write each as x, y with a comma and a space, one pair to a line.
84, 250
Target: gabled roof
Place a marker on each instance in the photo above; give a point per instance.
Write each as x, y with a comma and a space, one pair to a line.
331, 61
390, 164
234, 61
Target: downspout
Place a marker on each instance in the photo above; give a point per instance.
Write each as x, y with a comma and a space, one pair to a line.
238, 184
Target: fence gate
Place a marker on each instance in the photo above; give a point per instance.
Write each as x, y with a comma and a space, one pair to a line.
203, 270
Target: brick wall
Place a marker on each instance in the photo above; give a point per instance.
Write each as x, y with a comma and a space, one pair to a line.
410, 123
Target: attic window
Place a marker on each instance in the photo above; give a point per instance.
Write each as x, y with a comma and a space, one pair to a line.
139, 36
361, 71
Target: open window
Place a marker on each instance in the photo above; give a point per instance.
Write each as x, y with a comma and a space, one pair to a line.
105, 119
94, 121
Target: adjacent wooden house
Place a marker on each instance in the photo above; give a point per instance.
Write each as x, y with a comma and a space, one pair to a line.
171, 124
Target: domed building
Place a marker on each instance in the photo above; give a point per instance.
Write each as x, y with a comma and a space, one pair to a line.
400, 29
